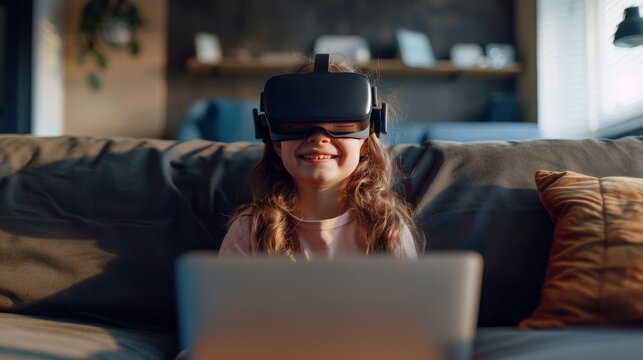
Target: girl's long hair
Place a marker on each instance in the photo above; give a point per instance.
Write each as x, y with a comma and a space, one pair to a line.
369, 193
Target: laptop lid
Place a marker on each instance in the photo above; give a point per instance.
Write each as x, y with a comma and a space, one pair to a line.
375, 307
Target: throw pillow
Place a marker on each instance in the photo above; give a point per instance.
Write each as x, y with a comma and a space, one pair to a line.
595, 270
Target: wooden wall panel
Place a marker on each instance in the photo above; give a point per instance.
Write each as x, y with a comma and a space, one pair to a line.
132, 100
527, 88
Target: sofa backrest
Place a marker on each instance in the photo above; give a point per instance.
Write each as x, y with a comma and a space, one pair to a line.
90, 227
482, 197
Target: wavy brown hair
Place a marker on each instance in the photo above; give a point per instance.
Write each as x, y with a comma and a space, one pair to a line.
369, 193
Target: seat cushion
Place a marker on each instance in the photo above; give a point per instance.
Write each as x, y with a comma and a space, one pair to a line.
510, 343
27, 337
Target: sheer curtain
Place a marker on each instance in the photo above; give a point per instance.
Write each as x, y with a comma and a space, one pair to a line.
586, 85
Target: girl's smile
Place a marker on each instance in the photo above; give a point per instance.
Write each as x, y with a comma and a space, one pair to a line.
317, 157
319, 160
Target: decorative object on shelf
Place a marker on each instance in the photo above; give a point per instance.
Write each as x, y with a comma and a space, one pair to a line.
415, 48
466, 55
352, 46
630, 31
111, 22
500, 55
208, 48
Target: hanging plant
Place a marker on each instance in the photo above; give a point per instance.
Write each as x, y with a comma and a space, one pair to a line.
110, 22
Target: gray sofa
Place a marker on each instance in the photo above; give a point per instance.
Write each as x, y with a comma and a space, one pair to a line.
90, 229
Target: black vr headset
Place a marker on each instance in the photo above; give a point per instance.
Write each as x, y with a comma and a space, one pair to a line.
342, 103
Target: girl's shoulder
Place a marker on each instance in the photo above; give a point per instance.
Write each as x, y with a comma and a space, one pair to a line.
239, 240
242, 219
407, 247
240, 216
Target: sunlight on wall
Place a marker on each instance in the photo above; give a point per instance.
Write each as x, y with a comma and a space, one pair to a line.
47, 90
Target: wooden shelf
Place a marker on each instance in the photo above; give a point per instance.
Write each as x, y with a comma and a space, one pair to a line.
441, 68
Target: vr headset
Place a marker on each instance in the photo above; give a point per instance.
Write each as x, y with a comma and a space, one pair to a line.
344, 104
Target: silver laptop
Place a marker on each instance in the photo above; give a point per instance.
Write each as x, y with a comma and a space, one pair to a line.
351, 308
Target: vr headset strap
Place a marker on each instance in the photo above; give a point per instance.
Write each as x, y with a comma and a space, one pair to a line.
321, 62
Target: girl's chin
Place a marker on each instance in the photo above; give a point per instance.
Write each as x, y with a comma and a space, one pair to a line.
322, 181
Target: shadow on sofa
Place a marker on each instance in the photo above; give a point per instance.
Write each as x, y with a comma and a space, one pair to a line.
458, 218
89, 233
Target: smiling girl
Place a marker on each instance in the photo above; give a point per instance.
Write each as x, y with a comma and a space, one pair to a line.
323, 196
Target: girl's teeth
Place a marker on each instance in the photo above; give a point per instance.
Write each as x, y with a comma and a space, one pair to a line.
318, 157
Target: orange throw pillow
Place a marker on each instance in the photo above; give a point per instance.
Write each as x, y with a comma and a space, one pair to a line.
595, 270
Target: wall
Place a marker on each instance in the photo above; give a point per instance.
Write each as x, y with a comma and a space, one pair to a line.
258, 26
527, 87
48, 93
132, 99
3, 55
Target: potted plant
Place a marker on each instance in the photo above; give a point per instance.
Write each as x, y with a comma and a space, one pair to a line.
106, 22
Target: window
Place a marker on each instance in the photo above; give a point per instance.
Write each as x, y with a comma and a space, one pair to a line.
586, 85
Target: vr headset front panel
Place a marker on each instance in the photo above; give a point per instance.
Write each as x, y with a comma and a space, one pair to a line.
317, 97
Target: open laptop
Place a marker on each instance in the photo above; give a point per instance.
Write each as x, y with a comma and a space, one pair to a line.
350, 308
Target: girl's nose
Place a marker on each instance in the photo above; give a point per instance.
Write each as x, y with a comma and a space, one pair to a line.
318, 135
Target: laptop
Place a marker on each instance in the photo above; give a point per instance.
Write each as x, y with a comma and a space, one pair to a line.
349, 308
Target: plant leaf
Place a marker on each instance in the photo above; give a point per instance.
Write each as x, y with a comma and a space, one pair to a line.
101, 61
93, 81
134, 47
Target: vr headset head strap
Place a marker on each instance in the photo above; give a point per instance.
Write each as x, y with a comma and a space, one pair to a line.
321, 62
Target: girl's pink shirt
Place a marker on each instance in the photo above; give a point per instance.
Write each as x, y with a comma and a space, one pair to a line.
328, 238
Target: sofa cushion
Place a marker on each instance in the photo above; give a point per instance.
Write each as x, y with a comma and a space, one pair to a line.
26, 337
482, 197
90, 227
503, 343
595, 271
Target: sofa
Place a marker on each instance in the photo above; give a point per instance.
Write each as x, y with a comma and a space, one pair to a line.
90, 228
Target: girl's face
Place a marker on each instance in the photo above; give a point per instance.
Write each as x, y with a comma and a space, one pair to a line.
319, 160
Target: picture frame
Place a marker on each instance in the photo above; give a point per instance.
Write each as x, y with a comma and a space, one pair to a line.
208, 48
414, 48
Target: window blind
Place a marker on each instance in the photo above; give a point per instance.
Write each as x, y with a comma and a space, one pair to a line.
585, 83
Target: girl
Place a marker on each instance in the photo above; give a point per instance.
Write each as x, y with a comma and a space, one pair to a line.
323, 196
